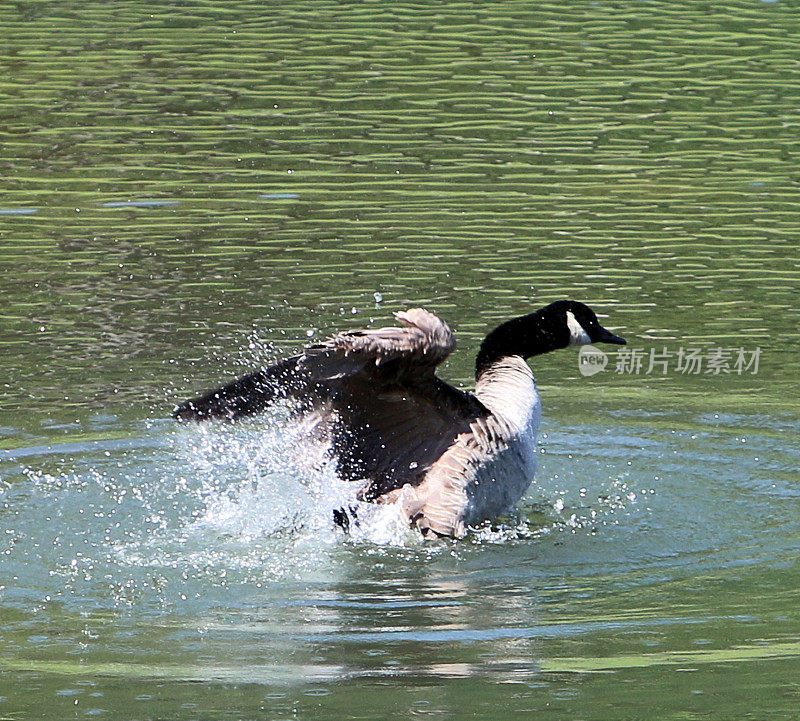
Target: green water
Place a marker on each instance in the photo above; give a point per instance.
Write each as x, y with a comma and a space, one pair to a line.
481, 160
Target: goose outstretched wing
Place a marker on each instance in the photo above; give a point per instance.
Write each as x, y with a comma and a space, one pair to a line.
373, 393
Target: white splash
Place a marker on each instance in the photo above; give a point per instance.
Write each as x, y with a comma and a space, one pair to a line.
266, 478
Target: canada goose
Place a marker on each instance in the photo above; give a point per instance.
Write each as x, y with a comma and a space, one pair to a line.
449, 457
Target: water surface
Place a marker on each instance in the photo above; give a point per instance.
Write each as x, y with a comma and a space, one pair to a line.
189, 191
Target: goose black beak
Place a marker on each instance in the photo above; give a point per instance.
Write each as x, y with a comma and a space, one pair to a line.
606, 336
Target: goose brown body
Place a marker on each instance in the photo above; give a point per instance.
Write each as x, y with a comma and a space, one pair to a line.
450, 458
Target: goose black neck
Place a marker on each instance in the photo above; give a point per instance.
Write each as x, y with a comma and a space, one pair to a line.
526, 336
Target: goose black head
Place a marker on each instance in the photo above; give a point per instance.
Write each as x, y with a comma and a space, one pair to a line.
558, 325
578, 324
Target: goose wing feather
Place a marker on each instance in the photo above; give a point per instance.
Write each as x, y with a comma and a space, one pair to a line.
388, 417
395, 418
392, 434
422, 343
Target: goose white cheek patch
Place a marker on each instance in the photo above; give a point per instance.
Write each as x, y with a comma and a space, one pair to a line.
577, 335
